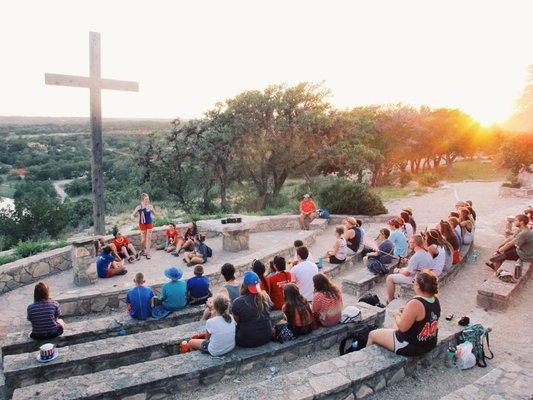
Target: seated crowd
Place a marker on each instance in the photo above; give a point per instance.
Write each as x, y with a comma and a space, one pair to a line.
239, 314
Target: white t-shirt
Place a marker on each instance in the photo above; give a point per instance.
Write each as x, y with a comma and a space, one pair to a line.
302, 275
222, 338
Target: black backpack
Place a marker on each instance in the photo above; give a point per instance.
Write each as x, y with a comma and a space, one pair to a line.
371, 298
376, 267
356, 340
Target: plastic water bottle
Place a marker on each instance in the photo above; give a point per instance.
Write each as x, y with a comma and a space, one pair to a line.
320, 263
473, 257
450, 357
354, 346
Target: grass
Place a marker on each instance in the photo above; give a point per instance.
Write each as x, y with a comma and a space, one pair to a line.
387, 193
26, 249
473, 170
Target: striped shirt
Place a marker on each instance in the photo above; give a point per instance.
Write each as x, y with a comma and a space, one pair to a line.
43, 316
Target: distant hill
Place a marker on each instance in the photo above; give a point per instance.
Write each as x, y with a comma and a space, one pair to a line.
17, 125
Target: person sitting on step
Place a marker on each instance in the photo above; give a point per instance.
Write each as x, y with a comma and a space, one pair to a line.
448, 233
277, 281
200, 253
251, 311
259, 268
219, 338
139, 299
327, 301
383, 252
174, 293
198, 287
106, 265
187, 240
439, 249
409, 211
456, 226
405, 276
339, 252
231, 289
308, 212
44, 314
302, 274
397, 238
519, 246
416, 325
406, 226
299, 243
352, 235
123, 247
297, 315
172, 239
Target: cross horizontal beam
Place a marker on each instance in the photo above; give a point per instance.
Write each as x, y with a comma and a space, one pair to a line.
87, 82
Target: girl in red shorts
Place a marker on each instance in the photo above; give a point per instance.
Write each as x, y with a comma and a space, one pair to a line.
146, 212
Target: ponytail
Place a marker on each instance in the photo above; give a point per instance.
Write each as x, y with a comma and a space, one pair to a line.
221, 306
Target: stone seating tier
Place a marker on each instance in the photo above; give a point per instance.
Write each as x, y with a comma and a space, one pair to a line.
494, 294
155, 373
354, 375
362, 280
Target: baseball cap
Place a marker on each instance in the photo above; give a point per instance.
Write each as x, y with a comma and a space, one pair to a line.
251, 281
306, 195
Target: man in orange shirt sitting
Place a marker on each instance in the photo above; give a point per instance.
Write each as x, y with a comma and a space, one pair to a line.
307, 211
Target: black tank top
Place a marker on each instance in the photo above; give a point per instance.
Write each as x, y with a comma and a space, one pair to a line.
423, 334
354, 242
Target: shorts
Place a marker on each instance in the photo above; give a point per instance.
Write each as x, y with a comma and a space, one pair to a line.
109, 273
205, 345
58, 332
335, 260
401, 279
145, 227
407, 349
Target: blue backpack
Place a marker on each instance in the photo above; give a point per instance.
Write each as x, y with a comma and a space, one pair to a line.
376, 267
323, 213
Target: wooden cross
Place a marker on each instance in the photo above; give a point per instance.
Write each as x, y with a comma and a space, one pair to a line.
95, 83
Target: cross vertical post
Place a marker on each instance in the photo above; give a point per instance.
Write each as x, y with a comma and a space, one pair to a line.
95, 83
97, 174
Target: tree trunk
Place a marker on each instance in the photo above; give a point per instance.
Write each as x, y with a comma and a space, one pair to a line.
279, 181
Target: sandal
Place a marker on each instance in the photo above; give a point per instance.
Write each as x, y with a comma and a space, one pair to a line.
137, 256
147, 256
131, 259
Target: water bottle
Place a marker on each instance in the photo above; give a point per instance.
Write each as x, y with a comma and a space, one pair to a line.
473, 257
450, 357
354, 346
119, 328
320, 263
518, 269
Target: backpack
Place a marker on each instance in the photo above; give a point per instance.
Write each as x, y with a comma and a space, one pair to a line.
475, 335
376, 267
350, 314
209, 251
371, 298
323, 213
356, 340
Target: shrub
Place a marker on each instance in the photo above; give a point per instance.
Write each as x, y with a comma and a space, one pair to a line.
428, 179
80, 213
8, 258
26, 249
405, 178
78, 186
341, 196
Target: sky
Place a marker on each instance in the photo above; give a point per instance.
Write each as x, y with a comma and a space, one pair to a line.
188, 55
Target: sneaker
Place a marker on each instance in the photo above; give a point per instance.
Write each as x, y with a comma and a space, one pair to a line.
190, 264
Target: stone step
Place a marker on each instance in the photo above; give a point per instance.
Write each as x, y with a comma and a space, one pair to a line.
176, 372
510, 380
94, 300
362, 280
354, 375
494, 294
99, 328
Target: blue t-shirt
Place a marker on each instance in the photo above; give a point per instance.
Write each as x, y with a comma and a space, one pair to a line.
198, 286
174, 295
140, 299
400, 242
202, 249
102, 264
385, 247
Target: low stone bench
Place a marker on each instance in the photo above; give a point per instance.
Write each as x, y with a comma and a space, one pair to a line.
235, 238
99, 328
358, 374
508, 381
494, 294
170, 374
361, 280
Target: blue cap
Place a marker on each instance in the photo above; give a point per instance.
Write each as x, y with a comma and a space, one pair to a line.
173, 273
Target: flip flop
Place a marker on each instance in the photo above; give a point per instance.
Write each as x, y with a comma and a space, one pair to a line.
147, 256
131, 259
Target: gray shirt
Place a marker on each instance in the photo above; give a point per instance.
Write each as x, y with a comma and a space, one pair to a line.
523, 241
419, 261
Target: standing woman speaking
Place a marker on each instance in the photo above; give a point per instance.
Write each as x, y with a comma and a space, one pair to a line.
146, 213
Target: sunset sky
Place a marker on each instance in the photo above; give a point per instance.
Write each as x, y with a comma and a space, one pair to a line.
186, 56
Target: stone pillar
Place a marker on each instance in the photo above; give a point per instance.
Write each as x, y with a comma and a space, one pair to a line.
235, 238
84, 262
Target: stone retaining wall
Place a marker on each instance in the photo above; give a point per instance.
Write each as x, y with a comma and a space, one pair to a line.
31, 269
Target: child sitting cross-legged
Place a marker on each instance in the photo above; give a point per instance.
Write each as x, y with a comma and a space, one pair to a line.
123, 247
139, 299
173, 241
220, 336
198, 287
106, 264
200, 253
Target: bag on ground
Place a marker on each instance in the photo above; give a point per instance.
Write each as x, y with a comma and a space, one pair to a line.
376, 267
476, 334
350, 314
465, 359
356, 340
282, 333
371, 298
209, 251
